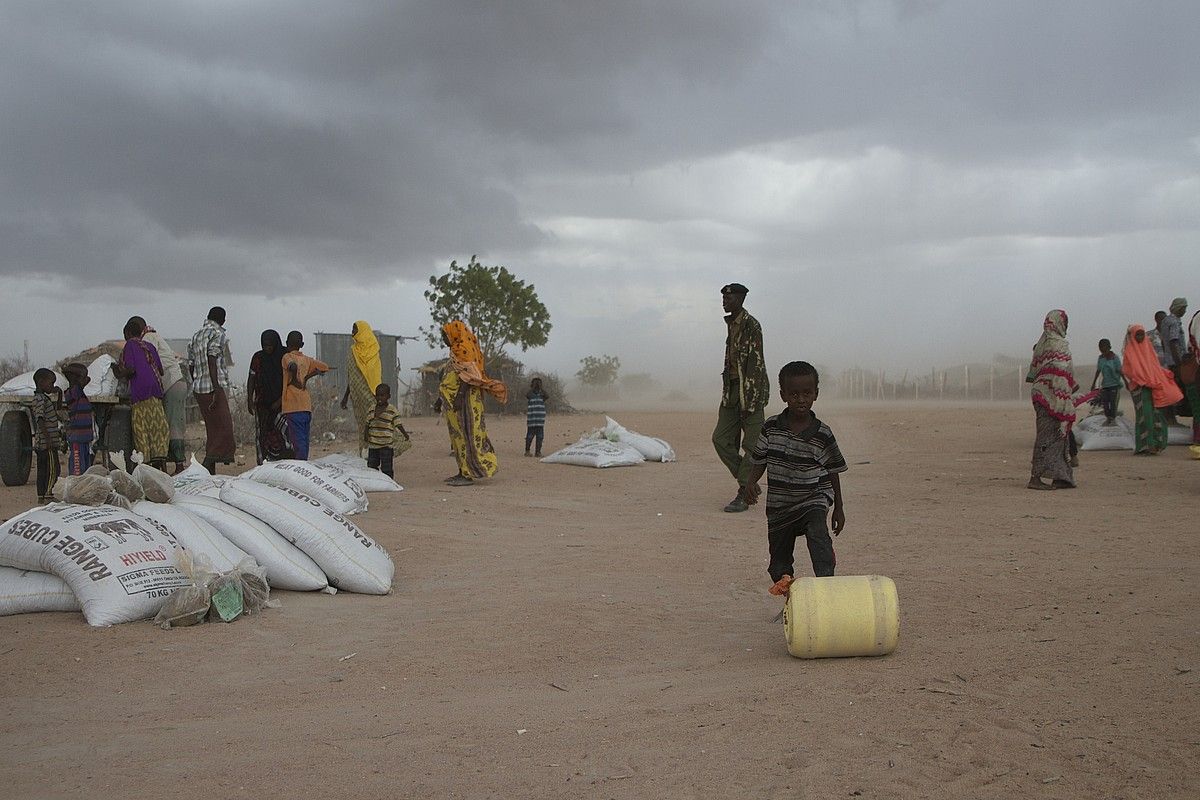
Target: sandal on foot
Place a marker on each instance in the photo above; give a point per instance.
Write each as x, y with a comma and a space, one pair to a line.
1036, 484
460, 480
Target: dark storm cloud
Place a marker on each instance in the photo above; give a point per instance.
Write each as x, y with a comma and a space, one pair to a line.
161, 144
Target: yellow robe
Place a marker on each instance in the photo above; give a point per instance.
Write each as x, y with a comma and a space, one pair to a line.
468, 436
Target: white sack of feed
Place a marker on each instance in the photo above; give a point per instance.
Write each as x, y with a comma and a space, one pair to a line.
204, 487
22, 385
1118, 436
371, 480
342, 460
599, 453
24, 591
1087, 426
195, 471
195, 534
353, 561
330, 485
103, 381
117, 564
1179, 434
651, 448
286, 565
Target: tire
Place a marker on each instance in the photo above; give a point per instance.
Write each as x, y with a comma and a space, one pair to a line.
16, 448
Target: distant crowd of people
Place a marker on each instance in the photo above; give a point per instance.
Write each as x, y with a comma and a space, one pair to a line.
156, 383
1159, 368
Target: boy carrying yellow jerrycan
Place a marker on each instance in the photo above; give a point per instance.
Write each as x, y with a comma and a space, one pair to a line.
848, 615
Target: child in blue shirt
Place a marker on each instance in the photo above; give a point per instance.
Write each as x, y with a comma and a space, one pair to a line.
1108, 372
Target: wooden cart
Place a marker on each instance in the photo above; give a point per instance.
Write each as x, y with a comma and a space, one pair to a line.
115, 433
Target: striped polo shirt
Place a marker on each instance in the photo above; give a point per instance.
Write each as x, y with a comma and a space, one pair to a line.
79, 408
535, 410
798, 467
381, 426
45, 416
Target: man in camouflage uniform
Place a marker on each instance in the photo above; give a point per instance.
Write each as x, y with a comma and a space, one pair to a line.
745, 390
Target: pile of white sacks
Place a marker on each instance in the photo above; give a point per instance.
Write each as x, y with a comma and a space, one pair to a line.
112, 548
103, 381
612, 446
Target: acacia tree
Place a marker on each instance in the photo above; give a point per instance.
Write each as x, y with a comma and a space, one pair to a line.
500, 309
598, 370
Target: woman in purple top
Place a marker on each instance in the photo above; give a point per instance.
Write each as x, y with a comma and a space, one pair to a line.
141, 365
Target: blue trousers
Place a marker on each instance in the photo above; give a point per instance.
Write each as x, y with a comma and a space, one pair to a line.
79, 457
299, 423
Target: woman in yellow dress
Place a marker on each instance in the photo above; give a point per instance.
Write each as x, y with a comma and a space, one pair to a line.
461, 399
363, 374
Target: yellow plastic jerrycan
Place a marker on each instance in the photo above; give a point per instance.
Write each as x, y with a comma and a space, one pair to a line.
850, 615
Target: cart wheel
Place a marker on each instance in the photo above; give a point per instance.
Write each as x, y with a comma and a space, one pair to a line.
16, 448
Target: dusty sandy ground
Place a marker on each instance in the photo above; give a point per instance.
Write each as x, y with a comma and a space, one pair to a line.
619, 619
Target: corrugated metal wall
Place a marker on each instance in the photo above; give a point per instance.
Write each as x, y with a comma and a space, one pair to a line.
334, 348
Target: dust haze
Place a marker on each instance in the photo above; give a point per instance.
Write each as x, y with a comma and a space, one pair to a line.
904, 186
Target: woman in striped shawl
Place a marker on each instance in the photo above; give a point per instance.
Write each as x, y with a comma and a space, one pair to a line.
1053, 392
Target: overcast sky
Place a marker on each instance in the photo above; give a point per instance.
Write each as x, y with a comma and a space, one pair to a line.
900, 184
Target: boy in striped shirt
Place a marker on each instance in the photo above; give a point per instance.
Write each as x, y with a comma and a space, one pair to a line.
47, 432
380, 432
535, 416
801, 458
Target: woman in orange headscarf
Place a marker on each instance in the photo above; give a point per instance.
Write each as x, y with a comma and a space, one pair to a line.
461, 399
1152, 387
363, 374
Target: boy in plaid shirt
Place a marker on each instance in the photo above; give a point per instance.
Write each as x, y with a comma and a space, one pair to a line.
47, 433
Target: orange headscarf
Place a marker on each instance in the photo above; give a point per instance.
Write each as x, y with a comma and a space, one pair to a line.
1140, 367
467, 360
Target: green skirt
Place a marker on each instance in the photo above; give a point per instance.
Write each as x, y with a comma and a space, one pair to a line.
1150, 426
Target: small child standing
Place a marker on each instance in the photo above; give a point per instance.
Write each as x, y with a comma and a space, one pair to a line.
47, 433
80, 425
1108, 372
382, 428
801, 458
535, 416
